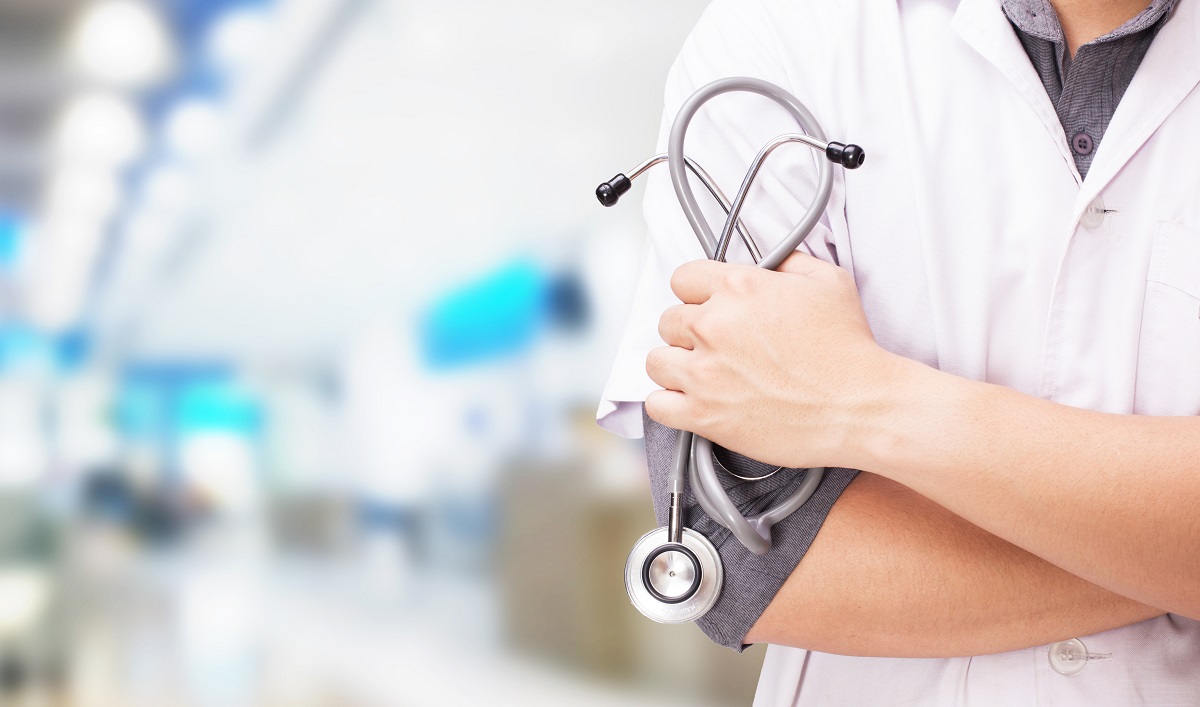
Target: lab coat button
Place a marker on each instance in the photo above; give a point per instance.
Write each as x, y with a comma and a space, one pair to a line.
1068, 657
1082, 144
1093, 215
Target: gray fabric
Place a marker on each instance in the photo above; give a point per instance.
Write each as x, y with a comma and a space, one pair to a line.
751, 581
1085, 89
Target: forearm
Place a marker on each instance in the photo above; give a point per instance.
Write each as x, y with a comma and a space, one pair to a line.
1114, 499
893, 574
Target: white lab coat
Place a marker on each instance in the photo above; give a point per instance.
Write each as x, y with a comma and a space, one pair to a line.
969, 237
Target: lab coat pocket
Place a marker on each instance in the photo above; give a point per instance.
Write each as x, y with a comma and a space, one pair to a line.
1169, 353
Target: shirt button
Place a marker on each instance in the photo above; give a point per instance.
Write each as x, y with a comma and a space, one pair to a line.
1082, 144
1093, 215
1068, 657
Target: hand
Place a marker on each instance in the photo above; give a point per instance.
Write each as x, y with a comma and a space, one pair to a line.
779, 366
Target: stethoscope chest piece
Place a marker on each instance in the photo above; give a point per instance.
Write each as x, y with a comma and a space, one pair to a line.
673, 583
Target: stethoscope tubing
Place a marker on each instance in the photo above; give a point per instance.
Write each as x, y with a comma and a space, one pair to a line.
694, 454
695, 463
755, 531
711, 185
676, 164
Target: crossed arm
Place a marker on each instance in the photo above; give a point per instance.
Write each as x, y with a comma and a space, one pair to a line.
894, 574
996, 520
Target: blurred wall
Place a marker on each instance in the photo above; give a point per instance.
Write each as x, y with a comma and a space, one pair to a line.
306, 308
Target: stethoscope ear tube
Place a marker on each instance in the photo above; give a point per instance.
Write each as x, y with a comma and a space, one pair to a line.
683, 189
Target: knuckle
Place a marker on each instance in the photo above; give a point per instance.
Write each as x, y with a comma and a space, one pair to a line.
654, 406
739, 280
671, 325
704, 326
664, 325
659, 409
704, 370
702, 415
678, 277
653, 363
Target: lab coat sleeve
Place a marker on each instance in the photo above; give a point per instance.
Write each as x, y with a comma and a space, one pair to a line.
733, 38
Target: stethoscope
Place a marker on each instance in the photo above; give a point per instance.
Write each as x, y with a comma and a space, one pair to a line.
674, 574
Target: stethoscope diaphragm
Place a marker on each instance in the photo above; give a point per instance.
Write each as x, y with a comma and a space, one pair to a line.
673, 583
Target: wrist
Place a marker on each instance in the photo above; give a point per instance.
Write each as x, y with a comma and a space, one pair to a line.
916, 411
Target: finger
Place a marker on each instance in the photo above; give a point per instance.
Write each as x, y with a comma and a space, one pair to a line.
695, 282
668, 367
675, 326
668, 407
801, 263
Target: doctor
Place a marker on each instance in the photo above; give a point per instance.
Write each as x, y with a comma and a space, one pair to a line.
999, 320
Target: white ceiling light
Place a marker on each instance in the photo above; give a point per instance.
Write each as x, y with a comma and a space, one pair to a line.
193, 128
100, 129
122, 42
65, 259
78, 194
69, 249
237, 38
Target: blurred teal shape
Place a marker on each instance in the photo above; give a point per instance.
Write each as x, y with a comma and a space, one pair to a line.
497, 316
141, 410
12, 238
218, 406
25, 348
71, 350
165, 402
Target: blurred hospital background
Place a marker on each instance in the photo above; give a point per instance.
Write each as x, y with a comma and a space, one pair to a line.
305, 308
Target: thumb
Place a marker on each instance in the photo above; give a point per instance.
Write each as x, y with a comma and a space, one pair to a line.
801, 263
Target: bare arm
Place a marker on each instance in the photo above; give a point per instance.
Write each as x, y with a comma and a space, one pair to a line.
894, 574
1113, 499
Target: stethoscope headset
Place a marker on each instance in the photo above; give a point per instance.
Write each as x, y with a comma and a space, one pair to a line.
674, 574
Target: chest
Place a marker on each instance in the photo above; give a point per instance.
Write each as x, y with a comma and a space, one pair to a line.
977, 248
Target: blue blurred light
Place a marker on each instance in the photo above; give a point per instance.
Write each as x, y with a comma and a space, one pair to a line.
496, 317
142, 411
24, 348
218, 406
71, 350
196, 76
12, 239
166, 402
193, 18
18, 344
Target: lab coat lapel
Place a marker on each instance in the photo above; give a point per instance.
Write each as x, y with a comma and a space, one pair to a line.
1168, 73
984, 27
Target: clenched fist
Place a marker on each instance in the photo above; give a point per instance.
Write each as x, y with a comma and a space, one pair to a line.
779, 366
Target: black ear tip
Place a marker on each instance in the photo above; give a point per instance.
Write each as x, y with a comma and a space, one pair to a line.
606, 195
848, 156
610, 192
853, 157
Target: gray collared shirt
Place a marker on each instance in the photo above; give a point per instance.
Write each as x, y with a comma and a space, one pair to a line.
1086, 88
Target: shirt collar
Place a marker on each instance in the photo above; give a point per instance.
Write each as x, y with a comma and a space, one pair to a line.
1038, 18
